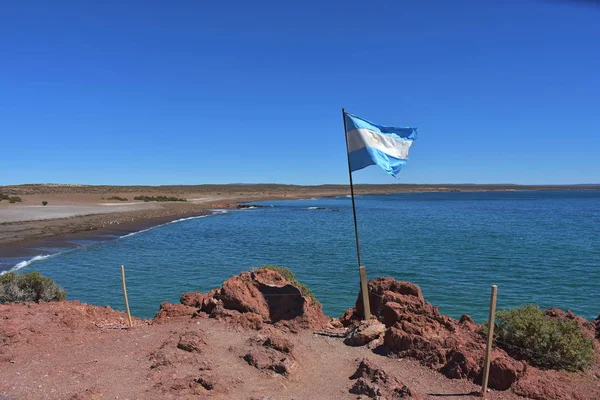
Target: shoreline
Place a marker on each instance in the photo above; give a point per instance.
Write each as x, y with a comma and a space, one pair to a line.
67, 233
26, 239
30, 250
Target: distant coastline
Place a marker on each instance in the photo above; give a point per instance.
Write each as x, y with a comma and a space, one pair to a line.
87, 211
266, 188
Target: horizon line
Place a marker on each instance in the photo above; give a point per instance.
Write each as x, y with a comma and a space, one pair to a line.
307, 185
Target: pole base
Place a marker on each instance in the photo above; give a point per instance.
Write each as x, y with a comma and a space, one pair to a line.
364, 289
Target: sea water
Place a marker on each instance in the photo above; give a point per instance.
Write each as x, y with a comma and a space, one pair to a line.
538, 247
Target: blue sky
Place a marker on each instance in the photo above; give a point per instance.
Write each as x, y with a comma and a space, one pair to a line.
188, 92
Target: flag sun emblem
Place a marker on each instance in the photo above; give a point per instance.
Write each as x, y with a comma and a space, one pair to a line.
374, 138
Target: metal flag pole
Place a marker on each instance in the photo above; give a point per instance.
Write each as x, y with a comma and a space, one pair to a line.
362, 270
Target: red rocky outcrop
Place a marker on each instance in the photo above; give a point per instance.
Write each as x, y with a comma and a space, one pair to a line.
557, 385
504, 371
273, 353
365, 333
416, 329
252, 299
169, 311
375, 383
597, 325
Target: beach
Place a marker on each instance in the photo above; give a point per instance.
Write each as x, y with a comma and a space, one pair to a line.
90, 212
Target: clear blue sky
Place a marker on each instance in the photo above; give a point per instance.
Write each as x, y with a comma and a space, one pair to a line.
189, 92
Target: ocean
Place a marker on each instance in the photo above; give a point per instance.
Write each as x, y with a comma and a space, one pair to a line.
540, 247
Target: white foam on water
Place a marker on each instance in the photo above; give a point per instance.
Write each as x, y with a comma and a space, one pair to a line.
312, 208
167, 223
219, 211
26, 263
143, 230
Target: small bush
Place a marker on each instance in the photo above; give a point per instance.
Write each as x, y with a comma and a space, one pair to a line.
15, 199
118, 198
527, 333
44, 203
158, 198
4, 196
29, 287
291, 278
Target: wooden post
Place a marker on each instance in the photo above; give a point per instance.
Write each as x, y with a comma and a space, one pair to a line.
125, 294
364, 289
490, 340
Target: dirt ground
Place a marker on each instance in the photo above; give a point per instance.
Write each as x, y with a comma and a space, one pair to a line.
70, 350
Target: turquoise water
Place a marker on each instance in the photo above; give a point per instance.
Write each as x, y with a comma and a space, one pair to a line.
538, 247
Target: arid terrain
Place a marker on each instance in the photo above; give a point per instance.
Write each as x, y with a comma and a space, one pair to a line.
260, 337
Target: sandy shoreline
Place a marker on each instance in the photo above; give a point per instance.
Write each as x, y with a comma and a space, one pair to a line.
89, 213
27, 227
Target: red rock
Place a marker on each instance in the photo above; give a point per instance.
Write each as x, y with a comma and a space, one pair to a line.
375, 343
460, 366
466, 319
170, 311
208, 382
349, 317
266, 293
556, 385
364, 387
428, 351
244, 320
269, 359
365, 332
251, 321
504, 371
384, 289
193, 299
190, 386
279, 343
391, 312
334, 323
191, 342
416, 329
375, 383
252, 299
241, 294
269, 277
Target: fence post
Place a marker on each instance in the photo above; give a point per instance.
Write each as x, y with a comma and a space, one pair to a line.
364, 288
490, 340
125, 295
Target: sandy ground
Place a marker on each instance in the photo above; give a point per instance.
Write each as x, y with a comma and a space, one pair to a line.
68, 214
36, 213
75, 351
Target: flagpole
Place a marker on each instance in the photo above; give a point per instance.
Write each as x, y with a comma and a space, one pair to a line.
362, 270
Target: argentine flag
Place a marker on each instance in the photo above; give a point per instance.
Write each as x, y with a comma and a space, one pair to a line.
370, 144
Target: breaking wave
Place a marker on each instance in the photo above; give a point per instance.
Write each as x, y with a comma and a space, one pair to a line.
26, 263
167, 223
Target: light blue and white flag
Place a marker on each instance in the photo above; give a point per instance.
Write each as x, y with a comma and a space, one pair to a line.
370, 144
